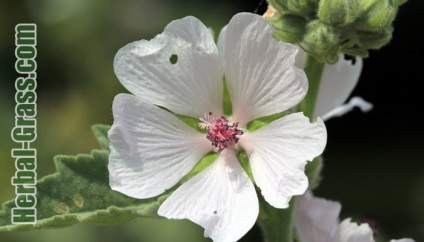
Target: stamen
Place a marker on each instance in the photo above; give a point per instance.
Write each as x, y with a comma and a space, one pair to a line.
219, 132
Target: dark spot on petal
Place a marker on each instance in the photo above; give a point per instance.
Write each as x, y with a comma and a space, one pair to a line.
215, 212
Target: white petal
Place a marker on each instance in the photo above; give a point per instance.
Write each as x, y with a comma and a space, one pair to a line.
316, 219
337, 82
402, 240
221, 199
278, 153
221, 45
192, 86
151, 149
352, 232
260, 72
347, 107
301, 56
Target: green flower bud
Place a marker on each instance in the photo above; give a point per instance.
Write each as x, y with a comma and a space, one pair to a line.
279, 5
304, 8
377, 14
289, 28
320, 38
338, 12
374, 40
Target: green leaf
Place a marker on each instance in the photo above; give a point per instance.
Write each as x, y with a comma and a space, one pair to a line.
100, 132
313, 172
79, 192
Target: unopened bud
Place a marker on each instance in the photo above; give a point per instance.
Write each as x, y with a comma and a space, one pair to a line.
279, 5
320, 38
377, 14
305, 8
375, 40
338, 12
289, 28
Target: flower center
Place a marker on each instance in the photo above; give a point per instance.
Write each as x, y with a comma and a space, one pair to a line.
219, 132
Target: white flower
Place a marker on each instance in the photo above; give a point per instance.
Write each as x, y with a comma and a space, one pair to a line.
317, 220
337, 83
182, 70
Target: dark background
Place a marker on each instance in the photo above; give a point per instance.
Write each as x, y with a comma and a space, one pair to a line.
374, 162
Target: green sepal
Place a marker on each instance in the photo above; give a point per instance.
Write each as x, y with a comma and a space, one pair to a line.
228, 105
79, 192
190, 121
260, 122
200, 166
244, 162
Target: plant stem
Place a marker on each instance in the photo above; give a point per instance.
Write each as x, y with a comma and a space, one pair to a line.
313, 70
276, 224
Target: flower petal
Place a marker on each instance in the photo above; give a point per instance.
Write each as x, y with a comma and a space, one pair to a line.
221, 199
402, 240
151, 149
316, 219
260, 72
191, 86
278, 153
221, 45
352, 232
347, 107
337, 83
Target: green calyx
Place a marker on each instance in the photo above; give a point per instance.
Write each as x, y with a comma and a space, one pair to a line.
338, 12
322, 39
325, 28
377, 14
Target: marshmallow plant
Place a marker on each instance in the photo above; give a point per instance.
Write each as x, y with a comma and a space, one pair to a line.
225, 134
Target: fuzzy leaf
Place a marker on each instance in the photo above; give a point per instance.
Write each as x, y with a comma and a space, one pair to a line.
100, 132
79, 192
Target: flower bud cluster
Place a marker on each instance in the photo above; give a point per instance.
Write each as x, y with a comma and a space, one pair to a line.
325, 28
